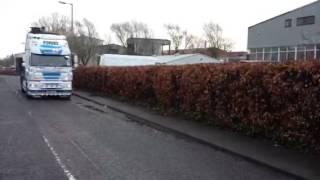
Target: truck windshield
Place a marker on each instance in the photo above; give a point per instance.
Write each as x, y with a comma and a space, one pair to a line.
52, 61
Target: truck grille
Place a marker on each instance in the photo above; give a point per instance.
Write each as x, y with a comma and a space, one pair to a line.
51, 75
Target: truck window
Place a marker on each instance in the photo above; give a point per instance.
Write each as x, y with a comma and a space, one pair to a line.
51, 61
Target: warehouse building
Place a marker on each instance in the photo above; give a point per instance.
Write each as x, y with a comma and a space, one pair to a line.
294, 35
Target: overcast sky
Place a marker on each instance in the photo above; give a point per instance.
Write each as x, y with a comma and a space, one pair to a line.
234, 16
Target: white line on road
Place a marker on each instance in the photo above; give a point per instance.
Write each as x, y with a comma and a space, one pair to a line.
63, 166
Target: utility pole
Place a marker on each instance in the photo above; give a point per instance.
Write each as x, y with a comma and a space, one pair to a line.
71, 5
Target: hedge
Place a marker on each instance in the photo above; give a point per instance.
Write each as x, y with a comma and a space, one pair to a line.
279, 101
6, 71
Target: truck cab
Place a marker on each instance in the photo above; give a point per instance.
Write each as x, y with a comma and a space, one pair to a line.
46, 67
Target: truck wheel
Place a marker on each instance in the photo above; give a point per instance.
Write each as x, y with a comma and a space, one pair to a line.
68, 98
28, 95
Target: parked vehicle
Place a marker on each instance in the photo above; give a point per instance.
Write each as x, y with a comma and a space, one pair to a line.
46, 65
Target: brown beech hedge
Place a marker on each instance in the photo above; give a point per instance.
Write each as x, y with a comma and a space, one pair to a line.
279, 101
10, 72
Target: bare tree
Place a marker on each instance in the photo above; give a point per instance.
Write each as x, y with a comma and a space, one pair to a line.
122, 32
55, 23
140, 30
188, 40
227, 45
197, 42
133, 29
176, 35
7, 61
108, 39
85, 41
214, 36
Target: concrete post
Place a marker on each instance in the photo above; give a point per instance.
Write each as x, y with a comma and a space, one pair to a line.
315, 51
279, 54
296, 53
305, 53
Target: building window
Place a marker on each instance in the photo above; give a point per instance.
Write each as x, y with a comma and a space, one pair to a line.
308, 20
310, 52
267, 54
283, 54
253, 54
291, 53
259, 54
288, 23
274, 54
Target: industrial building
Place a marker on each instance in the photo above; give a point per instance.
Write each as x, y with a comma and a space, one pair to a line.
294, 35
146, 46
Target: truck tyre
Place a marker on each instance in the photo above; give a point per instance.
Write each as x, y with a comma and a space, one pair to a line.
28, 95
67, 98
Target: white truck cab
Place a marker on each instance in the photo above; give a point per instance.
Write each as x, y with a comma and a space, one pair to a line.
47, 66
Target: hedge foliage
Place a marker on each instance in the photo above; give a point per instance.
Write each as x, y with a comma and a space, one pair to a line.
280, 101
7, 71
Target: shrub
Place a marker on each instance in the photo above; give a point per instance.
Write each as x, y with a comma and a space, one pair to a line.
280, 101
7, 71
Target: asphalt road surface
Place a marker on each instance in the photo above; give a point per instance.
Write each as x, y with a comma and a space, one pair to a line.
58, 139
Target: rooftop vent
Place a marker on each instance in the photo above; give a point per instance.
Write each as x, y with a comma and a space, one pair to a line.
36, 30
40, 30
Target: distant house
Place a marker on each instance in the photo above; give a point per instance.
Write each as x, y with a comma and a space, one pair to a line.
146, 46
112, 49
128, 60
294, 35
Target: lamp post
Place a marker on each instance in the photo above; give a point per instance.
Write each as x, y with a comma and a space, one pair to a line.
71, 4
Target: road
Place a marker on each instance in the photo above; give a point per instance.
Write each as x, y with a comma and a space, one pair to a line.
59, 139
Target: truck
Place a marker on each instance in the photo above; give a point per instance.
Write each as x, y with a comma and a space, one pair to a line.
46, 67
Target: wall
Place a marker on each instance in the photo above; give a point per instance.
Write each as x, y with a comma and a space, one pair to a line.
273, 32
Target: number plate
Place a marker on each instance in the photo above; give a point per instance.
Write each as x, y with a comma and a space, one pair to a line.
52, 86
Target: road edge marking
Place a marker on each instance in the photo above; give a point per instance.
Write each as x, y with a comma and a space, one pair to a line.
59, 161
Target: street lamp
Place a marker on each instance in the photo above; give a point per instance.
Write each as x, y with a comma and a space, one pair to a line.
71, 4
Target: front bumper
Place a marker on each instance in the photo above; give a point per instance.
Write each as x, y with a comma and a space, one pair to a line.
49, 92
49, 88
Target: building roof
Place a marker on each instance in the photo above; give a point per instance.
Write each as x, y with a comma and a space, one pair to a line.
125, 60
236, 53
160, 41
310, 4
187, 59
212, 52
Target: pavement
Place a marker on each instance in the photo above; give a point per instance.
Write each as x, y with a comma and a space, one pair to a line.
260, 151
79, 139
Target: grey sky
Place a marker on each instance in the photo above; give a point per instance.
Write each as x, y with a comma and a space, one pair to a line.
234, 16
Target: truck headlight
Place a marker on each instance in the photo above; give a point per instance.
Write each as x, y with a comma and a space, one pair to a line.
34, 85
67, 77
67, 86
35, 76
